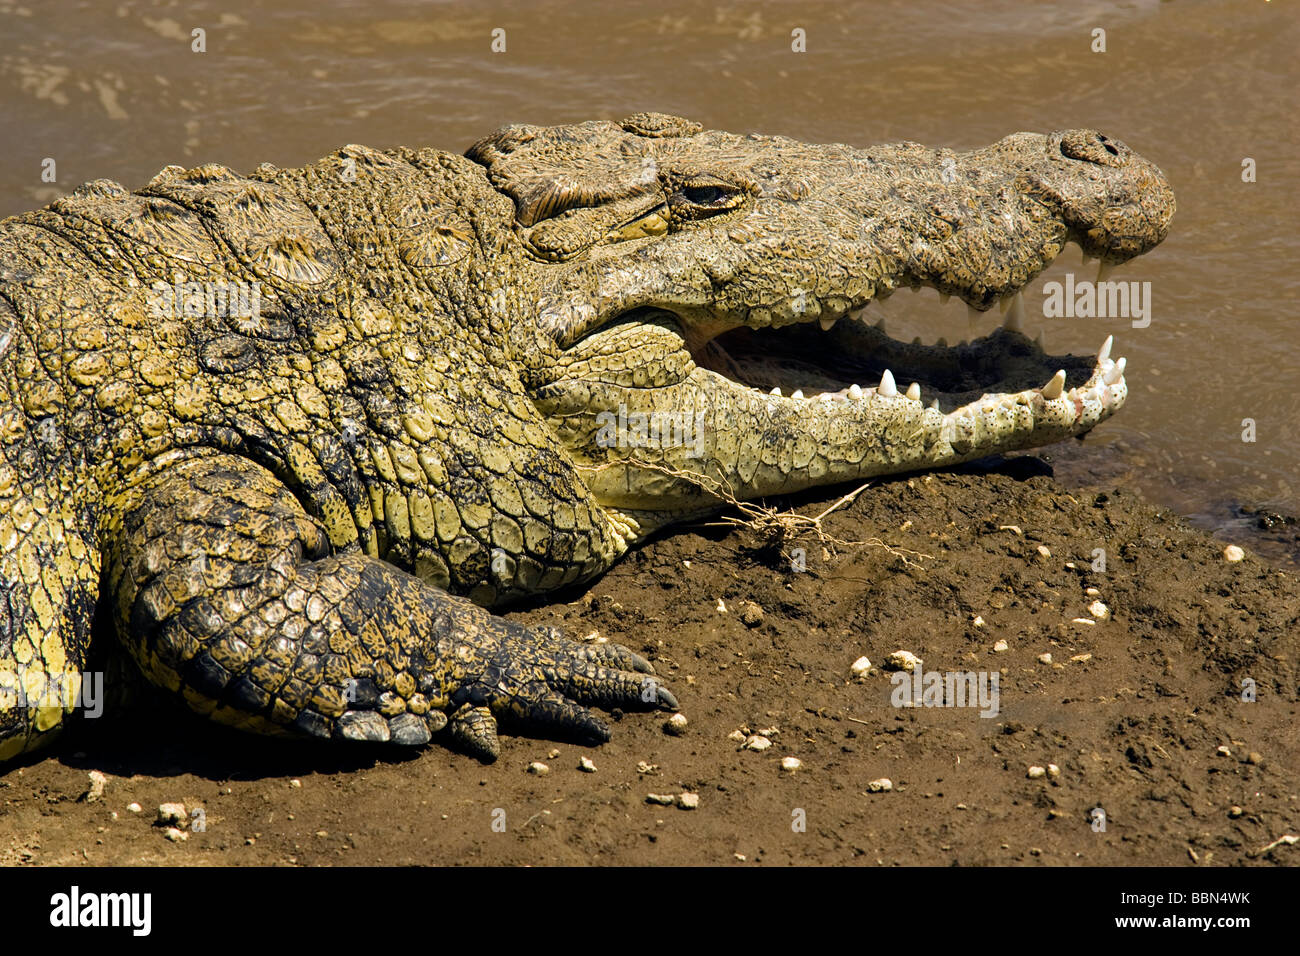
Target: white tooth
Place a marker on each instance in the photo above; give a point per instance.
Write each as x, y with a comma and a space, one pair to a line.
1015, 320
797, 393
775, 391
1115, 374
1039, 342
1104, 269
934, 403
1004, 303
1104, 355
826, 397
828, 322
1053, 388
887, 388
944, 297
856, 314
914, 391
855, 391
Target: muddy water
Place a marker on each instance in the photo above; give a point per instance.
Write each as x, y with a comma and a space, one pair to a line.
115, 90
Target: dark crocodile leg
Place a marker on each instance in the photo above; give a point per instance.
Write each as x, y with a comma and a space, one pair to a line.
228, 593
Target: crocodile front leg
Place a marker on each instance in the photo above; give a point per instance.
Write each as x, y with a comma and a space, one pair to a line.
228, 593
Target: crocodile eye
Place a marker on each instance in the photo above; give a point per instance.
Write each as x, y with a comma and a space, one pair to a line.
703, 195
699, 200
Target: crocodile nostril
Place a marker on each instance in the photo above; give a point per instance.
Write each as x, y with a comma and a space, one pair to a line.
1093, 147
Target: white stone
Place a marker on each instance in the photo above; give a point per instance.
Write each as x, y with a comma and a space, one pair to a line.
1233, 554
791, 764
860, 667
903, 661
880, 785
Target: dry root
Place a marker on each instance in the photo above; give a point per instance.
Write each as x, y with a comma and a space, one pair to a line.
777, 531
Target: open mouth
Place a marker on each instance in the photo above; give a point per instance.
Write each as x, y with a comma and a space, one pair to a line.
839, 359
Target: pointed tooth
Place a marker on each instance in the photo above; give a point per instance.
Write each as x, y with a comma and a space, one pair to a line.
1016, 314
1115, 374
776, 391
856, 314
855, 391
880, 323
1054, 388
944, 297
1040, 342
828, 322
972, 314
1104, 269
934, 403
887, 388
1103, 356
914, 391
1004, 303
797, 393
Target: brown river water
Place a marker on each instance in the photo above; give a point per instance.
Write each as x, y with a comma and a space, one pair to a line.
114, 89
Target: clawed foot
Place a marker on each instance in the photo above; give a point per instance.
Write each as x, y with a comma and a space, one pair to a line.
540, 679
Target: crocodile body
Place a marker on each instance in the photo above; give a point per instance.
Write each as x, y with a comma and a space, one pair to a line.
287, 437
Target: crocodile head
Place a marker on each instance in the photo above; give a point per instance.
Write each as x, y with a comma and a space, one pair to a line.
705, 292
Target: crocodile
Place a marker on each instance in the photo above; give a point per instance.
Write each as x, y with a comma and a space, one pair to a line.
282, 442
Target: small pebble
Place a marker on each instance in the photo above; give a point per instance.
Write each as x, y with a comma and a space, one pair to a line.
1000, 647
97, 783
1045, 658
739, 736
586, 766
1098, 610
1053, 770
751, 615
1235, 811
880, 785
860, 667
978, 621
552, 755
295, 783
688, 801
172, 814
1092, 592
675, 725
1036, 772
1080, 658
538, 769
662, 799
1011, 527
643, 767
1233, 554
175, 835
722, 607
739, 856
1254, 757
791, 764
903, 661
1224, 752
1085, 621
1044, 551
134, 807
757, 743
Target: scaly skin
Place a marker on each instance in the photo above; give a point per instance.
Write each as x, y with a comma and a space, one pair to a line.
294, 519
